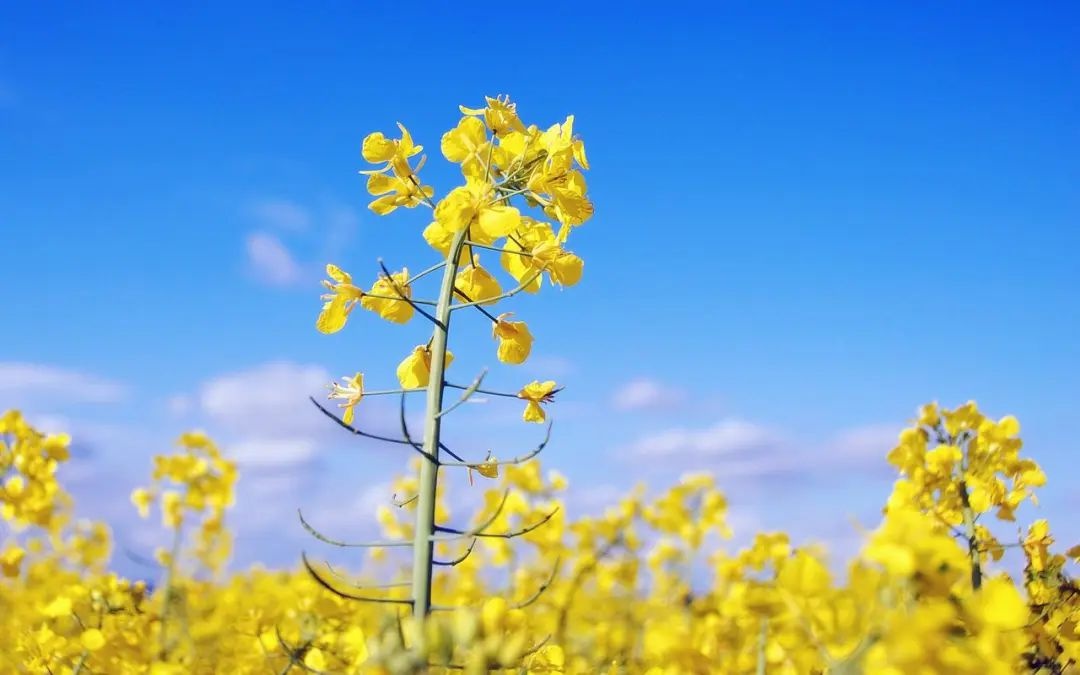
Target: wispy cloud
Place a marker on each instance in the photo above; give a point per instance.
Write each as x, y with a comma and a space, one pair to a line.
270, 261
737, 447
281, 214
268, 400
22, 383
647, 394
272, 452
727, 438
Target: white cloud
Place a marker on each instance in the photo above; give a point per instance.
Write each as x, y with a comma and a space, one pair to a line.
281, 214
737, 448
271, 452
270, 261
269, 400
727, 438
180, 405
863, 445
646, 394
20, 382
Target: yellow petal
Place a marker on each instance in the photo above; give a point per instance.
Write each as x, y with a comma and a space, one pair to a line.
333, 315
377, 148
92, 639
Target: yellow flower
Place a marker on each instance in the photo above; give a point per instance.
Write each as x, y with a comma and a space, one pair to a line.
393, 152
536, 393
351, 392
473, 206
467, 145
11, 561
172, 509
92, 639
396, 183
394, 191
489, 468
415, 370
315, 659
535, 249
339, 302
387, 289
500, 115
515, 340
142, 499
476, 283
60, 606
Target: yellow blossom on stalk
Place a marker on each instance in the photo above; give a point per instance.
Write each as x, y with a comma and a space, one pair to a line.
475, 207
382, 297
533, 250
476, 283
351, 391
489, 468
415, 370
467, 144
339, 302
500, 115
535, 393
515, 340
395, 191
143, 499
396, 183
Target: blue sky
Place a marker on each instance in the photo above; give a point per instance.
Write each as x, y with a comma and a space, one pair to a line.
811, 218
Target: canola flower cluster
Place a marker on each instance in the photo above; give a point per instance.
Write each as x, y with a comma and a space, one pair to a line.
648, 586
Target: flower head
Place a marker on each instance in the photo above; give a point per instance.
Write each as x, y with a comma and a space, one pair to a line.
534, 394
351, 391
415, 370
339, 302
515, 340
382, 297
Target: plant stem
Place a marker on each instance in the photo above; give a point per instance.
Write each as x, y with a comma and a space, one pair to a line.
972, 538
423, 546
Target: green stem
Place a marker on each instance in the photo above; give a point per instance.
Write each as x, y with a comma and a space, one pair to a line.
972, 538
423, 546
763, 642
167, 592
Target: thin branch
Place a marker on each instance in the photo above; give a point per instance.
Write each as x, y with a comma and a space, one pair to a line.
341, 423
334, 542
328, 586
483, 311
354, 584
456, 561
434, 268
499, 250
520, 459
417, 447
403, 503
543, 587
502, 535
466, 395
387, 392
497, 393
458, 535
392, 298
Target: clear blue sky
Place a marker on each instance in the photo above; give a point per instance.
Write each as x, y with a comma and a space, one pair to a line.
811, 218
